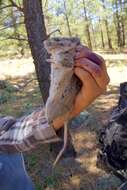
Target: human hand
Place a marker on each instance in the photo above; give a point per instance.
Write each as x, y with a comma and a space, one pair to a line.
90, 68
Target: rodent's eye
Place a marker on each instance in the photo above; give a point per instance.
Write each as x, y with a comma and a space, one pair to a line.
73, 39
57, 39
78, 43
66, 51
49, 43
61, 44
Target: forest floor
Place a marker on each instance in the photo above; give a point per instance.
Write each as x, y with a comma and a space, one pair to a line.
21, 94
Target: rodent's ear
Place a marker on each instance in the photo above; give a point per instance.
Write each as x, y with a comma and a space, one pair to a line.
75, 40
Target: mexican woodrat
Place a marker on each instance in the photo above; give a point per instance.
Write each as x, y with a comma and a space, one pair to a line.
64, 84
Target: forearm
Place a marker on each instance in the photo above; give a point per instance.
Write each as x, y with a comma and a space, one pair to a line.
27, 132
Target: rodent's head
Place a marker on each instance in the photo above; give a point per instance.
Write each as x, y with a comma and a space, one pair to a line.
61, 44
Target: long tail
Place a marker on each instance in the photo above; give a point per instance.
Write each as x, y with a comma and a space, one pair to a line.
64, 145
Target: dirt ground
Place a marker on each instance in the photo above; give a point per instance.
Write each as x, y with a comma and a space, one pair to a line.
70, 174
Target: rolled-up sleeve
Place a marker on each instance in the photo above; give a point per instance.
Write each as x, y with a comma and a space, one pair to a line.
26, 133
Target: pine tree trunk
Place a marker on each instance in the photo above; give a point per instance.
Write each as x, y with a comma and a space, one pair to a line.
108, 34
87, 27
118, 25
67, 19
107, 27
36, 31
102, 36
122, 23
94, 36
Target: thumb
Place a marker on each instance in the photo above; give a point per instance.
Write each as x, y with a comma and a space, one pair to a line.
83, 75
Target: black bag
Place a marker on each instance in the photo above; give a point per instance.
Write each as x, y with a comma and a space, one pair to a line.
112, 154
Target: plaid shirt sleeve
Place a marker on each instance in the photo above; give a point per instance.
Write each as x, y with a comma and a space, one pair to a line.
18, 135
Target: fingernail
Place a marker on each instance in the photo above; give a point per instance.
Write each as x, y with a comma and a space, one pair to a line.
94, 58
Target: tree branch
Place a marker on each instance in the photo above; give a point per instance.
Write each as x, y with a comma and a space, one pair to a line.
16, 38
21, 87
11, 26
57, 30
4, 7
15, 5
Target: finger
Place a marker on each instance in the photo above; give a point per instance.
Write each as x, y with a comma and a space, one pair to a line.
80, 47
97, 73
84, 76
98, 59
87, 80
88, 64
90, 87
83, 51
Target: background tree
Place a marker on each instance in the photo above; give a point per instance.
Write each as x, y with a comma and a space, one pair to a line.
67, 18
100, 24
36, 31
106, 25
87, 25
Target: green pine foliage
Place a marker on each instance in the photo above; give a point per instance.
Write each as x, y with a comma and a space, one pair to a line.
100, 24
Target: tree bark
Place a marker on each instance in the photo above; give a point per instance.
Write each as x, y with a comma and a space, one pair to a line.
108, 34
67, 19
94, 36
107, 27
36, 31
102, 36
122, 22
87, 28
119, 23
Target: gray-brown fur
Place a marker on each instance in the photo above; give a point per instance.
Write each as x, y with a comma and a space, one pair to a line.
64, 84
